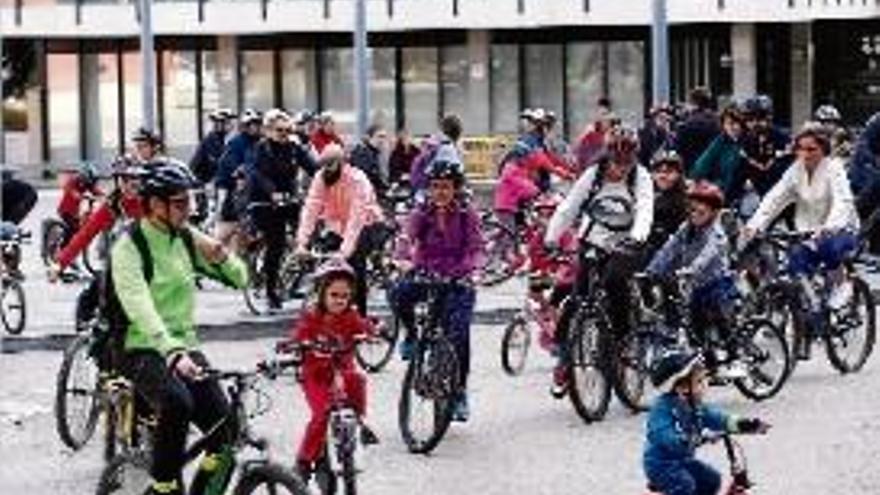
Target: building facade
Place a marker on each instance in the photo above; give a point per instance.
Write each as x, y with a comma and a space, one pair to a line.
482, 59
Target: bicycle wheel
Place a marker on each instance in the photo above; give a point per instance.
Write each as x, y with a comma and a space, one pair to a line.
255, 291
632, 364
95, 255
852, 331
127, 474
77, 405
12, 306
270, 479
374, 353
589, 384
515, 346
52, 239
764, 350
501, 248
429, 386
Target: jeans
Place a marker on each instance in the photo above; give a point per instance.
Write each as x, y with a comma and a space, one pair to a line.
829, 252
456, 309
178, 401
690, 477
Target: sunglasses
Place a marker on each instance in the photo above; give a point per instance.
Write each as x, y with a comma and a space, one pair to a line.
180, 202
282, 130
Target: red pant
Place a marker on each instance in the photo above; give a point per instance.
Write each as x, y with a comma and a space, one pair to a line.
317, 390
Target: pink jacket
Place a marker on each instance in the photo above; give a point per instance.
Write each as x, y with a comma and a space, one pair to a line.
346, 207
517, 181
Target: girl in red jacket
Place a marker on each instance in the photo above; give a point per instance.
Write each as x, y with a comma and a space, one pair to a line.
333, 318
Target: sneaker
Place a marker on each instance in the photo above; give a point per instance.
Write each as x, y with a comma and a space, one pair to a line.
841, 295
274, 303
368, 436
461, 413
559, 389
407, 349
303, 469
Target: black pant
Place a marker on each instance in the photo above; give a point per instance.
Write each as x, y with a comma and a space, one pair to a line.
273, 222
178, 402
19, 199
615, 276
371, 239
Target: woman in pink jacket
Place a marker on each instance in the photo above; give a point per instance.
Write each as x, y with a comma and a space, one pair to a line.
342, 197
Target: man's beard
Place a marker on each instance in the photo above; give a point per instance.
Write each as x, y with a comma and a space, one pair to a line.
331, 175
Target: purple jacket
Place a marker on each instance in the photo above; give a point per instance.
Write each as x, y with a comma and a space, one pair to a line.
453, 251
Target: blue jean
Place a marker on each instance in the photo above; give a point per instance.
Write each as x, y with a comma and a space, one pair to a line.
456, 309
829, 253
690, 477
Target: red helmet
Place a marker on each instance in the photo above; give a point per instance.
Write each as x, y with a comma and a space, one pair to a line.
707, 193
622, 139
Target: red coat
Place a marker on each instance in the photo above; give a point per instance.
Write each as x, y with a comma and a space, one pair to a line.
321, 139
72, 196
101, 220
317, 325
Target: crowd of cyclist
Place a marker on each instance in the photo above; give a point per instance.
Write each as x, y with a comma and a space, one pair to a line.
294, 179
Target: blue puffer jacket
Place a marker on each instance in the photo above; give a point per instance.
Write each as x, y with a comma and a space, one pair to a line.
240, 151
864, 168
673, 432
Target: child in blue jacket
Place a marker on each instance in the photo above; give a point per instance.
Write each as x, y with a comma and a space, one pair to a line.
675, 425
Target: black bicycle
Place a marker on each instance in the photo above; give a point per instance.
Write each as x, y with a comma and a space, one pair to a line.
801, 305
129, 472
13, 309
431, 384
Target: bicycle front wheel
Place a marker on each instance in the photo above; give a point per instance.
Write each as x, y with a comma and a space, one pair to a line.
270, 479
427, 396
255, 291
589, 384
77, 405
53, 238
13, 310
636, 352
501, 249
852, 331
765, 353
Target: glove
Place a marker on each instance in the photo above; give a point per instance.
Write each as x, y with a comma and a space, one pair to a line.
751, 425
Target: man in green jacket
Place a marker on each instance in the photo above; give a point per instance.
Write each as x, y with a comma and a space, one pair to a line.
724, 162
156, 293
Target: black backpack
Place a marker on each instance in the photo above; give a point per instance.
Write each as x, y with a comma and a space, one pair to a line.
111, 313
602, 165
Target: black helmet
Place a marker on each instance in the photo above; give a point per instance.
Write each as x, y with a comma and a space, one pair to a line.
165, 177
667, 157
251, 116
88, 174
303, 117
144, 135
827, 114
672, 367
758, 106
446, 165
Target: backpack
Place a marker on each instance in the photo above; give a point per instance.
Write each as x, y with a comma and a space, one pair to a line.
599, 181
111, 313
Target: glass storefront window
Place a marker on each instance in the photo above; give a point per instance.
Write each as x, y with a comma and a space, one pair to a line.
383, 95
455, 79
257, 80
337, 83
179, 102
64, 104
505, 88
298, 80
211, 85
420, 91
132, 86
584, 84
544, 77
626, 80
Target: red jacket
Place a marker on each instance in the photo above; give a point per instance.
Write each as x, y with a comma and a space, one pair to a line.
321, 139
101, 220
315, 324
72, 196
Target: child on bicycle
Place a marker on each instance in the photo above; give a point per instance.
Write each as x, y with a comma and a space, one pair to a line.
333, 318
676, 424
446, 241
700, 248
82, 182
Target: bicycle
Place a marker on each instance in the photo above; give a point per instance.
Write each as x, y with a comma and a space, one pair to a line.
13, 307
801, 304
344, 425
128, 472
432, 374
55, 233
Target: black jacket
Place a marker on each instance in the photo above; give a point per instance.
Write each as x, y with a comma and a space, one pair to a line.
276, 167
670, 210
695, 134
204, 162
367, 158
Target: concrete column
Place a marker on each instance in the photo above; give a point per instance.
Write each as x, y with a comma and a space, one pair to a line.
91, 100
478, 88
35, 124
745, 61
802, 58
228, 72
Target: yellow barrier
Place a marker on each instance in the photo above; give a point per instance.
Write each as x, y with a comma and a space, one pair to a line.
483, 153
